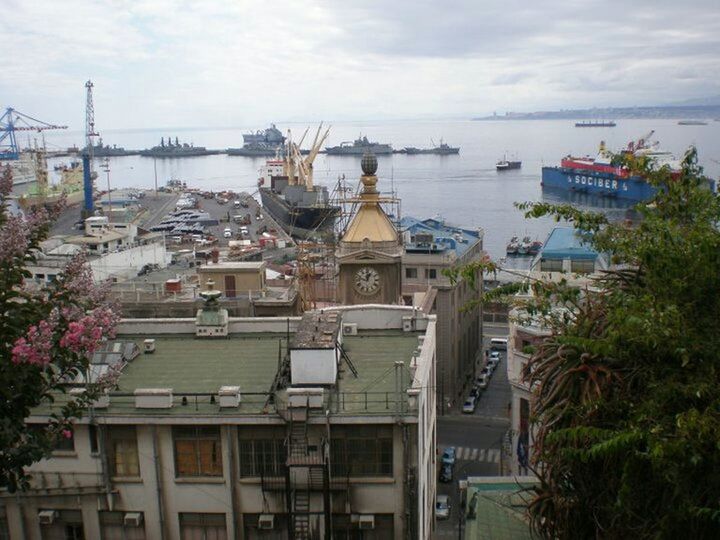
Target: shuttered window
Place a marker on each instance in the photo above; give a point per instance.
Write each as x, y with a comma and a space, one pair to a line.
197, 451
123, 451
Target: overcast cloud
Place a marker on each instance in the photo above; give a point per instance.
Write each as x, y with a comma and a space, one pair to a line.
231, 62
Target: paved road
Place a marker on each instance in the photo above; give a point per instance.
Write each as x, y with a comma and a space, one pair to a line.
478, 439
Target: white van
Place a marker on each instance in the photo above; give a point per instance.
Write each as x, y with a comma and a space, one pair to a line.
498, 344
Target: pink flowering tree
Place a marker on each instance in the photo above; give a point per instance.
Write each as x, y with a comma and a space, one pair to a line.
47, 339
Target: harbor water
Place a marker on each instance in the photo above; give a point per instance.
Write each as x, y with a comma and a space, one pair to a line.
465, 189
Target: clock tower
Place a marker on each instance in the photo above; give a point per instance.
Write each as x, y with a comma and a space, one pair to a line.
370, 253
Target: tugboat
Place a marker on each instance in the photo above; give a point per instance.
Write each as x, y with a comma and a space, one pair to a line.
525, 245
513, 246
535, 247
359, 147
300, 207
505, 165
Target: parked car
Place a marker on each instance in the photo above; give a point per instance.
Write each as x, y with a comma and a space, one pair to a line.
448, 457
482, 381
495, 354
446, 473
475, 392
227, 233
487, 371
469, 405
442, 507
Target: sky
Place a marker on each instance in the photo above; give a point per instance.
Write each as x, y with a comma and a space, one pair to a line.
225, 63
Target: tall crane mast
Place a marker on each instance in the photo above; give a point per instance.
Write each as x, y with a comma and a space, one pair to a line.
90, 132
12, 121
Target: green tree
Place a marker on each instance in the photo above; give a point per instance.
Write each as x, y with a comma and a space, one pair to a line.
47, 337
626, 389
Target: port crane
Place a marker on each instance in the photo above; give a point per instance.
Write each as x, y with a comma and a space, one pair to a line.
13, 121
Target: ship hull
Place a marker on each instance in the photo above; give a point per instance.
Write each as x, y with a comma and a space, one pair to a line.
358, 150
298, 220
633, 188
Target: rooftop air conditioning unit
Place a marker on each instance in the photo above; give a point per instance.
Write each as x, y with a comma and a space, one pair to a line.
349, 329
366, 522
47, 517
266, 522
133, 519
149, 346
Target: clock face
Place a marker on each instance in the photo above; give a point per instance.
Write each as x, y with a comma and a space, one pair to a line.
367, 280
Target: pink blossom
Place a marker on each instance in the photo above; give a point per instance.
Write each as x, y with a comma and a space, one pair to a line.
67, 433
36, 346
84, 335
14, 238
6, 181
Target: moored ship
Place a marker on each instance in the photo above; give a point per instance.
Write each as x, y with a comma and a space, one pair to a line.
506, 164
104, 150
177, 149
290, 196
443, 149
595, 123
599, 175
359, 147
265, 143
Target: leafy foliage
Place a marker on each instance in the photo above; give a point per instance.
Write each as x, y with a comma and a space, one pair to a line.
626, 387
47, 337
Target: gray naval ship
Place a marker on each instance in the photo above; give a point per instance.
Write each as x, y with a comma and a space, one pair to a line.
105, 150
443, 150
359, 147
177, 149
260, 144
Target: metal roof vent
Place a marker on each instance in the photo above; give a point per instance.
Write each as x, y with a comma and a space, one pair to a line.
149, 346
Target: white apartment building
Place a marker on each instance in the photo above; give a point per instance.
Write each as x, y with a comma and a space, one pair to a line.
241, 428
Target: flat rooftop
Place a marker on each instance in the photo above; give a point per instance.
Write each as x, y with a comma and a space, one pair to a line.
566, 243
192, 366
445, 236
500, 508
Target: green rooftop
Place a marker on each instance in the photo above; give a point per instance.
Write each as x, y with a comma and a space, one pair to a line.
500, 509
190, 365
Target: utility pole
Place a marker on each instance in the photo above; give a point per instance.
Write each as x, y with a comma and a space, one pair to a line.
106, 167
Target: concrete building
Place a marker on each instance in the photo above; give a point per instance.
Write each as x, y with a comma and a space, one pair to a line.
564, 256
432, 246
233, 278
233, 428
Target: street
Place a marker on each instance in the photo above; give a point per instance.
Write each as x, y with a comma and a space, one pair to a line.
477, 438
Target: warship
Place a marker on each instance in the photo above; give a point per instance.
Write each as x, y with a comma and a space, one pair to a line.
359, 147
102, 150
443, 150
172, 150
300, 207
265, 143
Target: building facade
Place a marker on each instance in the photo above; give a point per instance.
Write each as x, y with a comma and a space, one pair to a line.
430, 247
320, 427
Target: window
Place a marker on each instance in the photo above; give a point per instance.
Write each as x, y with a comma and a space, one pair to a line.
112, 527
123, 451
68, 526
202, 527
197, 451
551, 265
430, 273
361, 451
262, 457
66, 441
411, 273
582, 266
93, 434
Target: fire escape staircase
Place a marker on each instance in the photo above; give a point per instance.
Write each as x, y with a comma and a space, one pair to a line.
306, 472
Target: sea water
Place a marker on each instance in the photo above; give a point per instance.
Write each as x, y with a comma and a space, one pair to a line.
464, 189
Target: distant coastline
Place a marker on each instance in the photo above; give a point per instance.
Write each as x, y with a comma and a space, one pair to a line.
706, 112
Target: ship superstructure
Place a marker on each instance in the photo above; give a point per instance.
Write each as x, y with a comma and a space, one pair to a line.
359, 147
170, 149
599, 175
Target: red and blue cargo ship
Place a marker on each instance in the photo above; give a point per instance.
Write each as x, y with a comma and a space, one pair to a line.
600, 176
